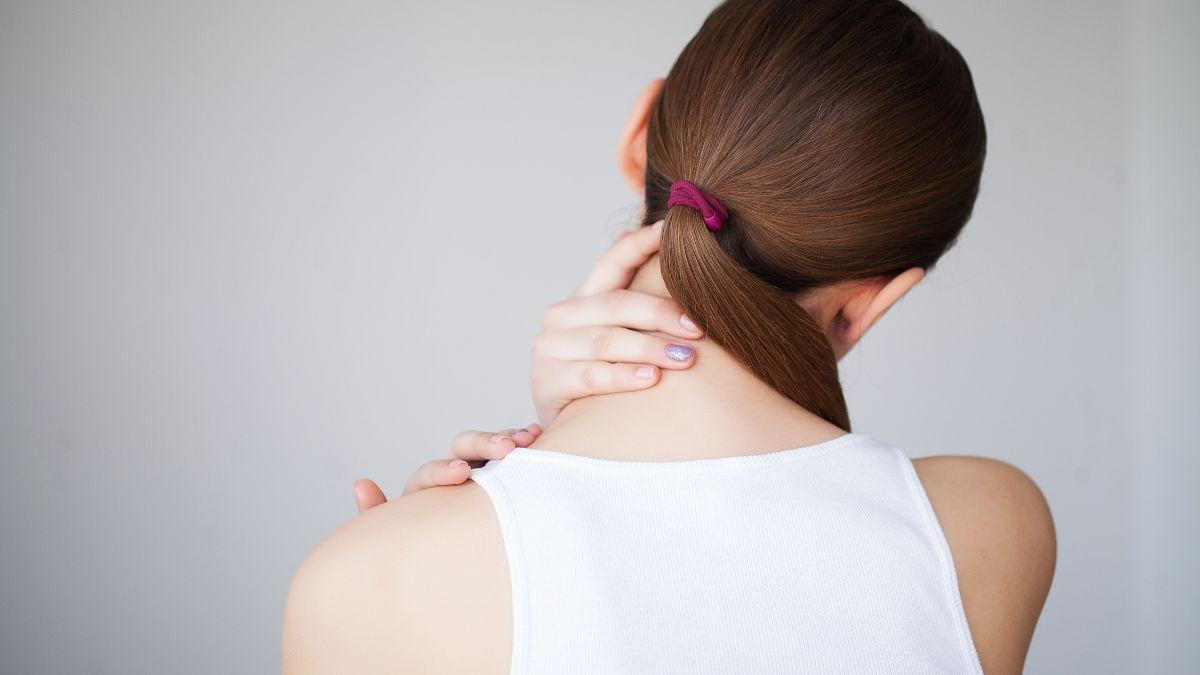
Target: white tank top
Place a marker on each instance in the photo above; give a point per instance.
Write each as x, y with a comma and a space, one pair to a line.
821, 559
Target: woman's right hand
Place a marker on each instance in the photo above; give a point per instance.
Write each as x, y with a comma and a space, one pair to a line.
591, 343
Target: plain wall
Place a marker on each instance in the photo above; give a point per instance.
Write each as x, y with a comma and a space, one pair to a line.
251, 251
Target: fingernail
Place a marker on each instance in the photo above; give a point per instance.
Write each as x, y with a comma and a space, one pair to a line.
657, 226
499, 438
687, 323
679, 352
644, 372
457, 463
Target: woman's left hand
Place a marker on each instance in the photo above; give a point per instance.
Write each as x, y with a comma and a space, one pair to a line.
467, 447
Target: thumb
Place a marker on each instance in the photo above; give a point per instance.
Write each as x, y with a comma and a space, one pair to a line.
367, 494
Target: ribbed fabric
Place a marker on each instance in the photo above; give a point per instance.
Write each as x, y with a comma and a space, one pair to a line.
822, 559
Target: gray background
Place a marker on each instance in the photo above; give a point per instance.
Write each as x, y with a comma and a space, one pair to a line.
252, 251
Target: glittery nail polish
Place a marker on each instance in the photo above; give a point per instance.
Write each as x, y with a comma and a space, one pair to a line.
679, 352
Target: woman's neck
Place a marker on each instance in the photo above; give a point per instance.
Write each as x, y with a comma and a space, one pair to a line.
716, 408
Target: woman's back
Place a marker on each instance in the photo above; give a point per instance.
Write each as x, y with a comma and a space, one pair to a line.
821, 559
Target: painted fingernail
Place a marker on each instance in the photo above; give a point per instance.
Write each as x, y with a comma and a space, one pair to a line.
457, 463
644, 372
679, 352
687, 323
657, 226
498, 438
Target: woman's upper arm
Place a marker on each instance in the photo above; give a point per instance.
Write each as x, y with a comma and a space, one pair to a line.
398, 588
341, 613
1001, 535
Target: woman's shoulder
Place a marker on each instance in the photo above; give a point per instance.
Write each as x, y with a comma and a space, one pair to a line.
1001, 535
402, 583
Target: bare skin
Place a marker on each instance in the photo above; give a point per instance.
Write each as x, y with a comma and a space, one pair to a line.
420, 583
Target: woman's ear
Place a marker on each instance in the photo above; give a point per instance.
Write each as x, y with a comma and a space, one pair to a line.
847, 311
631, 148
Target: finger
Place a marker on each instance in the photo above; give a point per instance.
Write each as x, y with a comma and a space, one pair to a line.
630, 309
616, 267
438, 472
475, 446
367, 495
612, 344
582, 378
526, 436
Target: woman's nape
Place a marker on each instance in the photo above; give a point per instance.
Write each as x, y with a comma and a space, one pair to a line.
717, 407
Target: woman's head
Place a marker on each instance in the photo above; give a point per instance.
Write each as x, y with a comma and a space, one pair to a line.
846, 141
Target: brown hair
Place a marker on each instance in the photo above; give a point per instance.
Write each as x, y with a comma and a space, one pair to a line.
846, 140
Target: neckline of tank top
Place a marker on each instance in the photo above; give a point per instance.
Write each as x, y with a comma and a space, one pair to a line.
706, 465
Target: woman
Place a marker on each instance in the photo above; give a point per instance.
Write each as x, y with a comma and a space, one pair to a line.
804, 164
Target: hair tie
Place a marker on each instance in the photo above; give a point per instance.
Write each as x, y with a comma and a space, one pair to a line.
685, 193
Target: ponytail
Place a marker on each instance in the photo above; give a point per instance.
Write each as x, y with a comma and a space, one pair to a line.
762, 327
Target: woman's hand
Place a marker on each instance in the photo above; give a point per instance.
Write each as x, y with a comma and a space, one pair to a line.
591, 343
467, 447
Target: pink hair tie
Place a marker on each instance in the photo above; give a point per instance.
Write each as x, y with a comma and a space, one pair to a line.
685, 193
